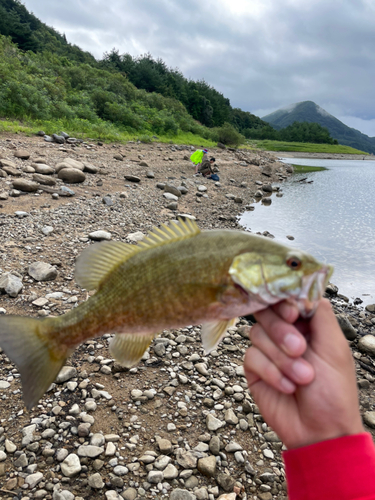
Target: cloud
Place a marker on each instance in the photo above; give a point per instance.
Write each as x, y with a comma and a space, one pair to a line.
262, 54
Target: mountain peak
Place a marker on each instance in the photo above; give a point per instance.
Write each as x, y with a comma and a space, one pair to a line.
309, 111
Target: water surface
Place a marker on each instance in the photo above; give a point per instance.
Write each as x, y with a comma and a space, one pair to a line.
333, 218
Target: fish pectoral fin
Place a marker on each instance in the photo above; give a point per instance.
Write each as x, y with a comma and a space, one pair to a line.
27, 342
98, 260
213, 332
128, 349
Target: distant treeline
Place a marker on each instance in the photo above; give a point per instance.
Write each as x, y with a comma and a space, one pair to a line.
52, 79
296, 132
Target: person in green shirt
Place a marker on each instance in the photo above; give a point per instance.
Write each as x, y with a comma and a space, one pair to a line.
197, 158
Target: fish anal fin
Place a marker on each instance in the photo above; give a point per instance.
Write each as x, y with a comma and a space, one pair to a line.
213, 332
175, 231
98, 260
128, 349
25, 341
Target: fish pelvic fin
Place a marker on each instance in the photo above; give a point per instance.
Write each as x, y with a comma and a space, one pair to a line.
128, 349
26, 342
213, 332
175, 231
98, 260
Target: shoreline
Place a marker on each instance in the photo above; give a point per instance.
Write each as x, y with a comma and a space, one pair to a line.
322, 156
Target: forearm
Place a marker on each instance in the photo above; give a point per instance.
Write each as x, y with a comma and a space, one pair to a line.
342, 468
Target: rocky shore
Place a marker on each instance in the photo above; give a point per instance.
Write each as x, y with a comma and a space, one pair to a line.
181, 425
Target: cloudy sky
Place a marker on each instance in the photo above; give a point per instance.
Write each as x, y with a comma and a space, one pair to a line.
261, 54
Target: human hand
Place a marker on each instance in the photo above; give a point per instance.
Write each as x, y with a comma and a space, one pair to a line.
301, 374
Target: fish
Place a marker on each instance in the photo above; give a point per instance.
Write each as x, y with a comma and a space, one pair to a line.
176, 276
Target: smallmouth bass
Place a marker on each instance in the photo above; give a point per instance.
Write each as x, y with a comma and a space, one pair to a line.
177, 276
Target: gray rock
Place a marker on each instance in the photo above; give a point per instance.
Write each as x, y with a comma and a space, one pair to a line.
170, 472
90, 451
132, 178
25, 185
45, 180
155, 476
100, 235
40, 168
230, 417
10, 284
67, 191
225, 481
65, 374
91, 169
58, 138
23, 154
150, 174
71, 466
369, 418
367, 344
62, 495
41, 271
186, 459
47, 230
129, 494
207, 466
179, 494
33, 479
107, 200
169, 188
348, 330
170, 196
96, 481
213, 423
165, 446
120, 470
370, 308
71, 175
215, 445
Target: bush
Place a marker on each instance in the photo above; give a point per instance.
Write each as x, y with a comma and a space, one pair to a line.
228, 135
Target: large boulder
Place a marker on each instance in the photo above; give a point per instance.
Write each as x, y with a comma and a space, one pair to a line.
22, 153
69, 163
71, 175
25, 185
41, 168
46, 180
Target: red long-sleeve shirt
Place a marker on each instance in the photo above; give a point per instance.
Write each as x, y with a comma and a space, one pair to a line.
337, 469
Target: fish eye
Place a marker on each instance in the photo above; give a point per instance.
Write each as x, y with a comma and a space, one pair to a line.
294, 263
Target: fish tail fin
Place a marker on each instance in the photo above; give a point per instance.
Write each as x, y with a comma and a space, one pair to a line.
26, 342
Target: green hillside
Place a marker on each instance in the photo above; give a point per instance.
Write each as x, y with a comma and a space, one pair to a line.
308, 111
49, 83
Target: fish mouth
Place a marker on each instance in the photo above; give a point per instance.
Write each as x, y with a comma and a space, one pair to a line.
313, 287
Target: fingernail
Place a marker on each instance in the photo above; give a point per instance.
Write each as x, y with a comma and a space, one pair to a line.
302, 370
287, 385
292, 343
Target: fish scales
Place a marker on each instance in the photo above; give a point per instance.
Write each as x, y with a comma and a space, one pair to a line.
177, 276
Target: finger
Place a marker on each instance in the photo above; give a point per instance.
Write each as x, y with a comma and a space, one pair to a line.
297, 370
287, 310
283, 334
258, 366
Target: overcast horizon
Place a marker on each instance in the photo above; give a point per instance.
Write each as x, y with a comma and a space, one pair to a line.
261, 54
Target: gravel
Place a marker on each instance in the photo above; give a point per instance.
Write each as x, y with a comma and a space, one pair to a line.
181, 425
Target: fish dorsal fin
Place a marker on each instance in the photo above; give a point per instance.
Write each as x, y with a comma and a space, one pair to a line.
98, 260
175, 231
213, 331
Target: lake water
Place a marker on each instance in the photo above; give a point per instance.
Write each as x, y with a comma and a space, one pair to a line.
333, 218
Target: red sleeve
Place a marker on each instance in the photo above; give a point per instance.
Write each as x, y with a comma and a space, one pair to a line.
342, 468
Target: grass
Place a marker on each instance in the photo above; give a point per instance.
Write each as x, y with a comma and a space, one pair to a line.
103, 131
305, 147
306, 168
